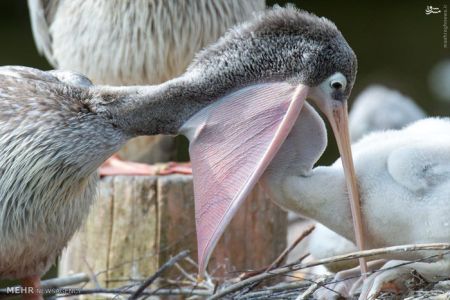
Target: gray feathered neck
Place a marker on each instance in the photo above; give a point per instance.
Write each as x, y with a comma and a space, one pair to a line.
281, 44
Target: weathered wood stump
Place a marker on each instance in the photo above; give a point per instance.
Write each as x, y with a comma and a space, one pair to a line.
149, 149
139, 222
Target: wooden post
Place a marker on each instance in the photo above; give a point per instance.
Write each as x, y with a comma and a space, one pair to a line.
149, 149
139, 222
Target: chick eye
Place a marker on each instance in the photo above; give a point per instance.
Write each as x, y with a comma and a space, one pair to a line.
337, 85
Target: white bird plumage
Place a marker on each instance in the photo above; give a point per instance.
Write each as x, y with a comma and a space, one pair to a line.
403, 180
131, 43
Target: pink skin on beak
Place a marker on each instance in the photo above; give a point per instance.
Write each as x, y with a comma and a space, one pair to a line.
232, 141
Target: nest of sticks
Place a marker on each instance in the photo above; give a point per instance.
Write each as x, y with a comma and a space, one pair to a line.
277, 281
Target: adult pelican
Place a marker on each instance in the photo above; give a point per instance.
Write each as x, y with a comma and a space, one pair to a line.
237, 103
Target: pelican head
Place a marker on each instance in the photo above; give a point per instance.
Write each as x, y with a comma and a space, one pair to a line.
246, 91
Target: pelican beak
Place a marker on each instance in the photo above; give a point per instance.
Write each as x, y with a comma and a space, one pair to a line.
232, 141
337, 114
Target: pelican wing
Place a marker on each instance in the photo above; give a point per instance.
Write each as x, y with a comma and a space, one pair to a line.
423, 166
41, 14
232, 141
54, 76
27, 73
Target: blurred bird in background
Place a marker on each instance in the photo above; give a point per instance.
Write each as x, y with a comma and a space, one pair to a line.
379, 108
439, 80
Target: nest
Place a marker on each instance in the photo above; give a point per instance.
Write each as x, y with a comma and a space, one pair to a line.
277, 281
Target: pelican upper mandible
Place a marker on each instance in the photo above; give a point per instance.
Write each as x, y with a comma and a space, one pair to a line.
236, 102
403, 178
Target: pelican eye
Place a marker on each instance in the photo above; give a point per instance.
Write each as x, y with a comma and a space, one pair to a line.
337, 85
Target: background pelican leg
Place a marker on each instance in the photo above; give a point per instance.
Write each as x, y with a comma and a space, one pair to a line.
114, 166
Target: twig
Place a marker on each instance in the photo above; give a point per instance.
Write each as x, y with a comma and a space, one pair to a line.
443, 296
302, 258
175, 291
278, 260
158, 273
306, 294
191, 261
249, 274
284, 287
288, 250
91, 273
350, 256
65, 281
208, 282
281, 257
185, 273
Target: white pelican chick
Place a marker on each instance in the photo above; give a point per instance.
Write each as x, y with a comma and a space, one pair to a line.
403, 180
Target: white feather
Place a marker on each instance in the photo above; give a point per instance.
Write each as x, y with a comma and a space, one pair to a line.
137, 42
